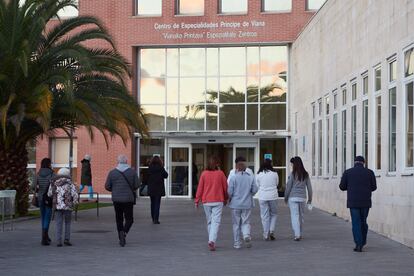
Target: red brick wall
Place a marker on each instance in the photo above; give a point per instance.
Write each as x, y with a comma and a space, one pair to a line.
130, 31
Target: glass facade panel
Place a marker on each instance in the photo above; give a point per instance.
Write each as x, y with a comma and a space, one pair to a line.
392, 131
313, 148
192, 61
273, 89
344, 131
232, 90
233, 61
149, 7
335, 144
212, 62
190, 6
365, 132
378, 132
353, 132
150, 148
173, 77
365, 85
276, 147
393, 71
410, 125
192, 90
276, 5
272, 116
152, 91
409, 62
155, 115
252, 116
344, 97
320, 148
273, 60
377, 79
354, 91
179, 171
152, 63
232, 117
192, 117
314, 4
233, 6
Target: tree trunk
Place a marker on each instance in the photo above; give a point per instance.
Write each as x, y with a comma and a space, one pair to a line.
13, 174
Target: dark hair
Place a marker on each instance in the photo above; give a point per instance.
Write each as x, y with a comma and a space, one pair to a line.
156, 160
299, 171
213, 164
266, 166
239, 159
46, 163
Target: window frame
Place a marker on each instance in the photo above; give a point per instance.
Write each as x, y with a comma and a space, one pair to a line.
312, 10
406, 80
220, 10
136, 14
178, 13
262, 8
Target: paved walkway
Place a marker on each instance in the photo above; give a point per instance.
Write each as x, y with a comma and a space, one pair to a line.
179, 247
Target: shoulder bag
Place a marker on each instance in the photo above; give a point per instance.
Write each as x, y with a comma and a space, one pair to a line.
134, 193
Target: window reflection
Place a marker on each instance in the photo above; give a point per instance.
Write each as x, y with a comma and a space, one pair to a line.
232, 117
232, 90
212, 61
252, 116
232, 61
172, 62
272, 116
192, 90
211, 117
273, 60
190, 6
172, 117
212, 90
253, 55
273, 89
152, 91
172, 90
276, 5
152, 62
192, 117
155, 116
409, 62
233, 6
149, 7
192, 62
252, 89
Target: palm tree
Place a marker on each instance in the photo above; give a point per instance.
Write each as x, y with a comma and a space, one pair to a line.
51, 79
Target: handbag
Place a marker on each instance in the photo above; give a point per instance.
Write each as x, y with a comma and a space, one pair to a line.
134, 193
35, 200
47, 200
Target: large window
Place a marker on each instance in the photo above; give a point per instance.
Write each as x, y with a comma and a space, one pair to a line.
335, 144
354, 91
327, 135
211, 89
365, 85
409, 63
344, 131
365, 130
149, 7
392, 130
276, 5
147, 150
353, 132
233, 6
314, 4
409, 125
378, 132
190, 7
320, 148
60, 154
377, 72
313, 149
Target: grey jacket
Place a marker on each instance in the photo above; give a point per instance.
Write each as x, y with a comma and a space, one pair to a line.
296, 188
121, 190
241, 190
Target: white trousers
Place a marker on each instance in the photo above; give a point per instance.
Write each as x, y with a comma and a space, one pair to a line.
268, 213
241, 224
297, 208
213, 216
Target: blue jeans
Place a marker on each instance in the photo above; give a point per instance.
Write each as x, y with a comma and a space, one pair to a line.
359, 225
45, 214
90, 190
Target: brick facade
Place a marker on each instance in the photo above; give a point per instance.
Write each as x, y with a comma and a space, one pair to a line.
131, 31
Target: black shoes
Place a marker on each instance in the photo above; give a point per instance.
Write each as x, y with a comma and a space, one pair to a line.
45, 240
59, 245
272, 236
122, 240
358, 248
67, 242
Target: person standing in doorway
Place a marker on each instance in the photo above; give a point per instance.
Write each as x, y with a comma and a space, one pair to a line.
156, 188
295, 195
42, 183
359, 182
65, 197
123, 183
267, 181
241, 190
86, 175
212, 192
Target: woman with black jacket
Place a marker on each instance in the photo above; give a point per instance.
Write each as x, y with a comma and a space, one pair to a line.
156, 189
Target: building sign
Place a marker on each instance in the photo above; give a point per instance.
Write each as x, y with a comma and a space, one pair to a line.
210, 30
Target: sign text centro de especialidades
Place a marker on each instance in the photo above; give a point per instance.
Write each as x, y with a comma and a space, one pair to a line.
209, 30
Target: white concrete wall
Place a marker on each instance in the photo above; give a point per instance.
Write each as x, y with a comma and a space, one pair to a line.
343, 40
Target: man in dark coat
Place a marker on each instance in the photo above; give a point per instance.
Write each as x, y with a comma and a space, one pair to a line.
86, 175
359, 182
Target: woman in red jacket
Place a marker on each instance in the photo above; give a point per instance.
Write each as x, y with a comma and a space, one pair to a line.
212, 192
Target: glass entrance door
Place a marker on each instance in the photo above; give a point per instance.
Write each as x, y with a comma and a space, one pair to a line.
249, 152
180, 171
